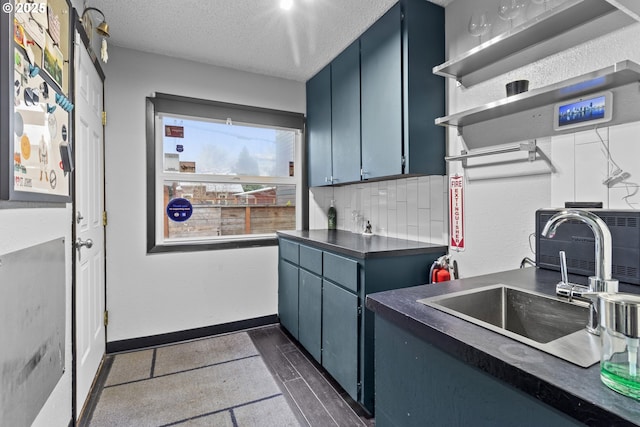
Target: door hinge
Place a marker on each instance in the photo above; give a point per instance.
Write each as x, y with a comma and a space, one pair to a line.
104, 118
106, 318
104, 218
359, 310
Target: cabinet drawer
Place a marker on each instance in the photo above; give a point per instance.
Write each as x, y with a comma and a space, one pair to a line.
311, 259
341, 270
289, 251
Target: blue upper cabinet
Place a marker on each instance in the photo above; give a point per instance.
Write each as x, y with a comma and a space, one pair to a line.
382, 103
424, 98
381, 71
345, 115
319, 128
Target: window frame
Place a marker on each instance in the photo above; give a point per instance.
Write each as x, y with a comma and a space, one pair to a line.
195, 108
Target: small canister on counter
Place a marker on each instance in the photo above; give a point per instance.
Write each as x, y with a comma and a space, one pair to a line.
619, 315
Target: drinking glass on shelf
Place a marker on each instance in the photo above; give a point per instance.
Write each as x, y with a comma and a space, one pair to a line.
479, 25
511, 9
549, 4
544, 2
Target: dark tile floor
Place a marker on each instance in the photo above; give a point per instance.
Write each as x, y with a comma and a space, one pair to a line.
130, 381
315, 398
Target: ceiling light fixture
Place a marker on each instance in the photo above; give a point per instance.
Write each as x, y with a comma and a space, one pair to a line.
286, 4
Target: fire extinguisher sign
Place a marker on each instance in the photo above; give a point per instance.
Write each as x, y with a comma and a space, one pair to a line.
456, 212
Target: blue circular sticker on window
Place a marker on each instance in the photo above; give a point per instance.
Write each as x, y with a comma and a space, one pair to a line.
179, 210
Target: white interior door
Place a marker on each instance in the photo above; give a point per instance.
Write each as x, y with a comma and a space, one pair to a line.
89, 203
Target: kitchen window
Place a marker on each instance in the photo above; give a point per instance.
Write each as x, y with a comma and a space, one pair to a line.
220, 175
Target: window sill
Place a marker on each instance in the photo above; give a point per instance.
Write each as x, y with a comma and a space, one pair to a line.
213, 246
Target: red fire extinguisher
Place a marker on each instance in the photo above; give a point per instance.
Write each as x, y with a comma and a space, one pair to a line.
440, 270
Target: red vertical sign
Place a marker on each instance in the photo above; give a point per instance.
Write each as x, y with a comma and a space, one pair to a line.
456, 212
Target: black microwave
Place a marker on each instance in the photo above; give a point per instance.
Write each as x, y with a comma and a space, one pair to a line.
577, 240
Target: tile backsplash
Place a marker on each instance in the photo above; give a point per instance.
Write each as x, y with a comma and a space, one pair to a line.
412, 208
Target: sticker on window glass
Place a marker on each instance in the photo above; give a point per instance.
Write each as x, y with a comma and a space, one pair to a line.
174, 131
179, 210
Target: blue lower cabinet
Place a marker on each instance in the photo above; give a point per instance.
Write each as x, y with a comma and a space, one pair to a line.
340, 336
310, 305
320, 304
288, 296
418, 384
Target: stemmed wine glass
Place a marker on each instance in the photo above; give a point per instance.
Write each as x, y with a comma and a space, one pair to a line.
544, 2
510, 9
549, 4
479, 25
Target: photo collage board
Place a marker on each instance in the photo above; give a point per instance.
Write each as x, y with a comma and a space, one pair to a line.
41, 84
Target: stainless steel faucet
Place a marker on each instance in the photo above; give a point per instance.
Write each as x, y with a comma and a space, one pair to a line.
602, 281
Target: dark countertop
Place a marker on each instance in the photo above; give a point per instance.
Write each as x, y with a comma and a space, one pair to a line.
571, 389
360, 246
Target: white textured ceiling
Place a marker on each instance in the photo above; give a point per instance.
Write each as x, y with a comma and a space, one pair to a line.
249, 35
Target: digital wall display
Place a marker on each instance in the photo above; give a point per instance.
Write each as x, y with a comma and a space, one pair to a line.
583, 111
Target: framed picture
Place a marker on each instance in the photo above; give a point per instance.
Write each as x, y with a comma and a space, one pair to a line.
36, 103
53, 61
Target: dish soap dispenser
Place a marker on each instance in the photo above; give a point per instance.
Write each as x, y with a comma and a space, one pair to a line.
332, 216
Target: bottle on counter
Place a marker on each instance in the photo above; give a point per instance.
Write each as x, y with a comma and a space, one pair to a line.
332, 215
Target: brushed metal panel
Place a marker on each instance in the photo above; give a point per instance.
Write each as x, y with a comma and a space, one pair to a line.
32, 331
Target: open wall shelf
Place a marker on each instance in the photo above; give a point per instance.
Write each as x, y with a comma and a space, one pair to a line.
619, 74
535, 39
529, 115
630, 7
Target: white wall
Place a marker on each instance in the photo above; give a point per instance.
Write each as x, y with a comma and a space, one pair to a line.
500, 212
161, 293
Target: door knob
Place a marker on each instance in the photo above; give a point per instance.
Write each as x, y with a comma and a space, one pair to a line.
86, 243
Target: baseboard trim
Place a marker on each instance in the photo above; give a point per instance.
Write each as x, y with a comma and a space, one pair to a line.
189, 334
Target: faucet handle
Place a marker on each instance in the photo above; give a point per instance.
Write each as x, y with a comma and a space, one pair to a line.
563, 268
571, 290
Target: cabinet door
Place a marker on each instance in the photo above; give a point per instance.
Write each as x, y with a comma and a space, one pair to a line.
381, 74
288, 296
340, 336
424, 101
345, 115
319, 128
310, 313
